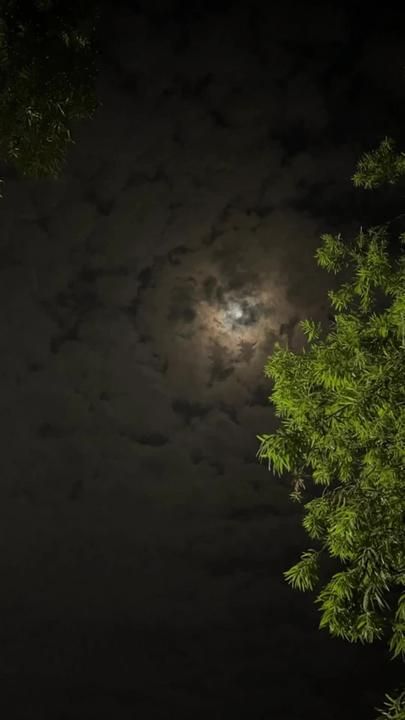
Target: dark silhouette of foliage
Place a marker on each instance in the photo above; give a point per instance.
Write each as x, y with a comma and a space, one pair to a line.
48, 65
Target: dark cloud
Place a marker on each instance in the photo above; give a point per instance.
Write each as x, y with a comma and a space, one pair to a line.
220, 367
176, 254
48, 430
104, 206
145, 278
182, 304
229, 410
246, 351
188, 410
218, 466
196, 456
209, 287
153, 439
260, 395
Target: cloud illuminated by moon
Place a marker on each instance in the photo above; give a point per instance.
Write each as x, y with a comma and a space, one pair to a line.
234, 320
214, 319
234, 311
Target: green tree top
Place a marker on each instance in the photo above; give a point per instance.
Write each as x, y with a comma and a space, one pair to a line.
381, 166
341, 405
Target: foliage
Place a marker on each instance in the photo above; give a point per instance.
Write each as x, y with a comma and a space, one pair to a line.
341, 405
47, 72
383, 165
394, 708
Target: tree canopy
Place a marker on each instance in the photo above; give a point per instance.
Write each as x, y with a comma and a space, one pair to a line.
47, 72
341, 409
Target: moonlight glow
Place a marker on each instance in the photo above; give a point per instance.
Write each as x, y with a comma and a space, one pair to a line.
239, 314
237, 320
234, 311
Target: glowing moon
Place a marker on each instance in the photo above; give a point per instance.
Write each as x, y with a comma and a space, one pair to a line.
235, 321
234, 311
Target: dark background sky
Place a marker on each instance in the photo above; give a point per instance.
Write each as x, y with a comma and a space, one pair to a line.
142, 545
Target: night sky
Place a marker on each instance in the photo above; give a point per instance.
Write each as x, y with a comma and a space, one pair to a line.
142, 544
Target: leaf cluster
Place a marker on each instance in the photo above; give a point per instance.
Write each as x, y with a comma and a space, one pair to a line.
384, 165
47, 72
341, 409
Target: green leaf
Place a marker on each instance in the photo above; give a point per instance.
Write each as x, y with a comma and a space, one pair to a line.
311, 329
304, 575
383, 165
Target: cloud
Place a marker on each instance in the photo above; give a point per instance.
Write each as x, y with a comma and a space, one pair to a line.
189, 410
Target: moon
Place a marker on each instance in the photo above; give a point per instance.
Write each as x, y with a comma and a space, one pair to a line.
234, 311
234, 321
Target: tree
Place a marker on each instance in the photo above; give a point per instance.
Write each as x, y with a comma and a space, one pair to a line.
47, 71
341, 409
